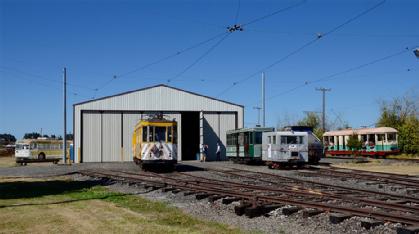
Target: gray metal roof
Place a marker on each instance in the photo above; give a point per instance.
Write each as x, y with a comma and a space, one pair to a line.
155, 86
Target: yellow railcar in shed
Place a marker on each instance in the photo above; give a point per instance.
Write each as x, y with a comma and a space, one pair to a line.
154, 141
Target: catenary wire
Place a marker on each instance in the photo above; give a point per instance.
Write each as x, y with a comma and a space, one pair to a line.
206, 53
160, 60
198, 44
237, 12
299, 49
335, 75
39, 77
275, 13
41, 83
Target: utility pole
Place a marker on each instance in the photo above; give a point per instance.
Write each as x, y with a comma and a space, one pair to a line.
263, 99
65, 116
324, 90
258, 108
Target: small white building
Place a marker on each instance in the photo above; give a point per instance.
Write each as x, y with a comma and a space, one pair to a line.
103, 127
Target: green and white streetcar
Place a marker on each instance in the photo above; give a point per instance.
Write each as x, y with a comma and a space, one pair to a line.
245, 144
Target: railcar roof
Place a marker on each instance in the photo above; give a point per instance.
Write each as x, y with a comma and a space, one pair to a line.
255, 129
288, 133
360, 131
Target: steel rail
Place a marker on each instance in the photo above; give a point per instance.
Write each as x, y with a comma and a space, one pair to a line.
407, 198
399, 181
318, 194
363, 212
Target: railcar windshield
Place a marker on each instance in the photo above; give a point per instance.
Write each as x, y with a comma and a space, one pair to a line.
292, 140
22, 146
160, 133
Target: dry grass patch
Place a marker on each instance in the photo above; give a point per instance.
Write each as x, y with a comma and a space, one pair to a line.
7, 161
64, 206
403, 168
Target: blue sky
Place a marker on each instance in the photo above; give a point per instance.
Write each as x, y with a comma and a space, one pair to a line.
96, 40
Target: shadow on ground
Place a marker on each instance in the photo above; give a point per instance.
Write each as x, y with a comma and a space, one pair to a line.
186, 168
33, 189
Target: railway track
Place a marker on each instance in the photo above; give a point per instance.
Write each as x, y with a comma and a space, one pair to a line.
379, 177
260, 193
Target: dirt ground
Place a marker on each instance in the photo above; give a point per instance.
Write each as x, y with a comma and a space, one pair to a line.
403, 168
7, 161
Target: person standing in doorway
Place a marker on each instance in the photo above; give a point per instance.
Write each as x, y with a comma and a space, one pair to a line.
205, 152
218, 152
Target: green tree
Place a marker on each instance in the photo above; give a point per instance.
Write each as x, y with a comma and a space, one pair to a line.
354, 143
32, 135
409, 135
312, 120
7, 138
402, 114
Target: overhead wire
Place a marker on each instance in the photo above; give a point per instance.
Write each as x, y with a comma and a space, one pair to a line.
237, 12
8, 69
40, 83
200, 43
206, 53
235, 27
299, 49
336, 74
274, 13
160, 60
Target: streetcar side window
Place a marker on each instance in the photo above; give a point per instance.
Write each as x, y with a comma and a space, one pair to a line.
151, 134
174, 135
380, 137
169, 134
391, 136
283, 140
144, 134
300, 140
258, 138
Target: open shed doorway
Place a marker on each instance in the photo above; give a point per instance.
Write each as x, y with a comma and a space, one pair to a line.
190, 135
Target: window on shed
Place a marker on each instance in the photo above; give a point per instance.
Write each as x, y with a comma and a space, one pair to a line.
269, 140
273, 139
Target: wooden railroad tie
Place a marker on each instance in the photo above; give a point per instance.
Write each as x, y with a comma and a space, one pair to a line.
336, 218
408, 230
368, 224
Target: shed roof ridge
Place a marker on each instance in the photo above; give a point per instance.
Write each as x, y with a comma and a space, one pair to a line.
156, 86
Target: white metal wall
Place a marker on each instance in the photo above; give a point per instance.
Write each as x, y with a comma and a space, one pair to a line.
158, 98
129, 122
107, 139
215, 128
111, 137
92, 147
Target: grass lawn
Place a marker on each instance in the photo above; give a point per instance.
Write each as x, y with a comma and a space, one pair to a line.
60, 205
405, 168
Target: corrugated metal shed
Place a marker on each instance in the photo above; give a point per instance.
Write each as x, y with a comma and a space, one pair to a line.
103, 127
